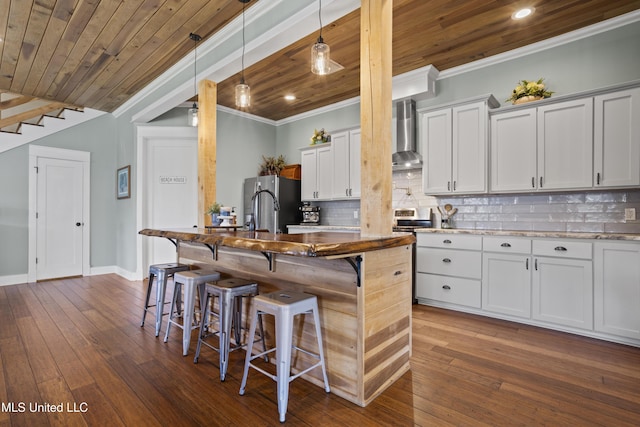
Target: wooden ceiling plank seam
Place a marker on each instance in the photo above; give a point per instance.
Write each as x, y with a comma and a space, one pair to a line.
73, 32
132, 24
78, 20
16, 27
134, 83
38, 22
4, 22
73, 69
167, 31
57, 24
120, 31
124, 20
191, 23
136, 50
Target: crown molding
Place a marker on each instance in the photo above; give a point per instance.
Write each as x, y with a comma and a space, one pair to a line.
582, 33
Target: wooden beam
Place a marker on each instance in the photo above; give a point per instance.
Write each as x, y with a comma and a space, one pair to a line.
375, 117
207, 95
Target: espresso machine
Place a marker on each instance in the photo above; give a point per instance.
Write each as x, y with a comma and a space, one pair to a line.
310, 214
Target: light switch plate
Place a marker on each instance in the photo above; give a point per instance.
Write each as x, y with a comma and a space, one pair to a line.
630, 214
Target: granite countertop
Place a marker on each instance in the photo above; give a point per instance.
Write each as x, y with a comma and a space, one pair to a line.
547, 234
310, 244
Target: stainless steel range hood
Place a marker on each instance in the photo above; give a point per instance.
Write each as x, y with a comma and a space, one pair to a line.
406, 155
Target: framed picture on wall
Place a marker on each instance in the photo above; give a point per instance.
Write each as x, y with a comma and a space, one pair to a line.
123, 183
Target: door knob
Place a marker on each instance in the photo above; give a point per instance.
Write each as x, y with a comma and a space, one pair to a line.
78, 224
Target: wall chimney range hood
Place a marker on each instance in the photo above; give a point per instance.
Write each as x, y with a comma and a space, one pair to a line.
406, 156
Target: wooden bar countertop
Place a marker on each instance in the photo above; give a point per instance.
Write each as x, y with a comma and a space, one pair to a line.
307, 244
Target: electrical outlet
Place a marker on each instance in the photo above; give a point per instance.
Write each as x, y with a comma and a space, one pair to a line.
355, 214
630, 214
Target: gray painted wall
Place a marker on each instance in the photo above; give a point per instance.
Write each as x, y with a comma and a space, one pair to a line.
96, 137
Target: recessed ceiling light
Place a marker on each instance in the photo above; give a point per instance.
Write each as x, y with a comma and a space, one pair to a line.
290, 97
523, 13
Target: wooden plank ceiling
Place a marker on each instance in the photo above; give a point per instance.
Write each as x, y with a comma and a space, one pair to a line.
98, 54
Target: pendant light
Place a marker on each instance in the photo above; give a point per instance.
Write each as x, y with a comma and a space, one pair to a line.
320, 60
243, 91
193, 112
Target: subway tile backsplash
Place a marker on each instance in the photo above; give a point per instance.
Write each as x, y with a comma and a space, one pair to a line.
587, 211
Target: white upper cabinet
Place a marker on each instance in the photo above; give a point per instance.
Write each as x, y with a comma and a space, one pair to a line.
454, 148
513, 151
617, 139
436, 150
565, 145
317, 172
543, 148
346, 164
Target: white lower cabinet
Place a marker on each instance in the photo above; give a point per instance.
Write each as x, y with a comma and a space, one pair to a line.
563, 282
449, 269
506, 277
617, 288
588, 287
453, 290
563, 292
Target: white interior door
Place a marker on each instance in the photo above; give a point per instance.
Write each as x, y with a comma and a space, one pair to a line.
171, 191
59, 218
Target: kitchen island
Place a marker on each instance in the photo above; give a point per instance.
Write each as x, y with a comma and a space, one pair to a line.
363, 285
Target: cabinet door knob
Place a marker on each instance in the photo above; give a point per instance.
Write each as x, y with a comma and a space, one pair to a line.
447, 260
446, 241
527, 264
446, 287
533, 182
540, 182
506, 245
448, 185
598, 178
560, 249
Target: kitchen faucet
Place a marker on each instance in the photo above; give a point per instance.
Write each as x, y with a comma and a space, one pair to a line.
255, 201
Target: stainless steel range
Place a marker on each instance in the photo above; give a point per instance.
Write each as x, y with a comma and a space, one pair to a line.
407, 220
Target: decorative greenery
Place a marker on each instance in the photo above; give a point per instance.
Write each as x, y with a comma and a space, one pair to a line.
272, 165
529, 88
214, 208
320, 137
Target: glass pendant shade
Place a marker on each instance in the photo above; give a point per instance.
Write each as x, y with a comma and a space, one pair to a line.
193, 115
243, 95
320, 61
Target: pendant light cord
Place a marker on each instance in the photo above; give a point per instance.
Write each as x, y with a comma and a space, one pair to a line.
242, 77
320, 19
195, 65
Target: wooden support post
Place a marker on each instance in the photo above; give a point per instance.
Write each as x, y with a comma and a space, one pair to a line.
207, 100
375, 117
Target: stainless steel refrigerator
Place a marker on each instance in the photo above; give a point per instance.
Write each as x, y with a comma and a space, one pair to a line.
286, 191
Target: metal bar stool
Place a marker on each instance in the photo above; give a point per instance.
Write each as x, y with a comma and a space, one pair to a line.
161, 272
230, 293
190, 280
284, 306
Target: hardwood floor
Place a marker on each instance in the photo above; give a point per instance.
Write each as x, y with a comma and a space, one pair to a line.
78, 342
